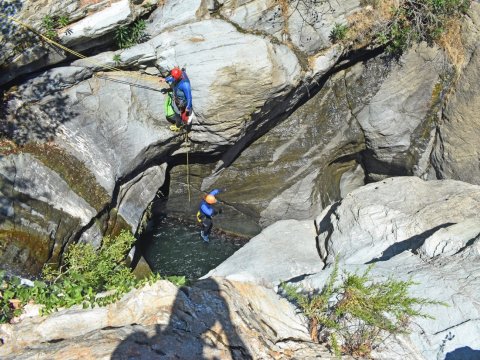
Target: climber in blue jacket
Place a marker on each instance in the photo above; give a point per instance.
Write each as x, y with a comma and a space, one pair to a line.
206, 213
181, 92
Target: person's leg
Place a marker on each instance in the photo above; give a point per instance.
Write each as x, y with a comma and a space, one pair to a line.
209, 224
177, 120
171, 119
206, 228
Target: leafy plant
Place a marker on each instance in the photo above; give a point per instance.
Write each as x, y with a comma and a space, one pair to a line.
117, 59
88, 277
355, 316
51, 23
338, 33
48, 24
127, 36
415, 21
63, 21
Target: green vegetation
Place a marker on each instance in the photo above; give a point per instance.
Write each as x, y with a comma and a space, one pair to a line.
355, 315
117, 59
50, 25
85, 273
416, 21
338, 33
63, 21
127, 36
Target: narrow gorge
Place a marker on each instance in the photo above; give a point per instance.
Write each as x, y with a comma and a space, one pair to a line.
331, 147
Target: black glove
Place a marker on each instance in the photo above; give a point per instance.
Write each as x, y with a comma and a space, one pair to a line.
164, 90
220, 210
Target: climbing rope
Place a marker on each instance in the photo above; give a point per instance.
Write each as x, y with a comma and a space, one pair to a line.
113, 68
76, 53
188, 166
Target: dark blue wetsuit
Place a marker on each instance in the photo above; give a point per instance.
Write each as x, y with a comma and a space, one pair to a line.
205, 215
182, 95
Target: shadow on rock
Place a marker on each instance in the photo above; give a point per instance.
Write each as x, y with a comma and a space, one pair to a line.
42, 108
199, 327
463, 353
413, 244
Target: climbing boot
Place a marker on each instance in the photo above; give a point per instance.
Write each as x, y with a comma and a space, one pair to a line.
175, 128
204, 237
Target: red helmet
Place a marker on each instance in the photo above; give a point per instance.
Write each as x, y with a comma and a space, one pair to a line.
176, 73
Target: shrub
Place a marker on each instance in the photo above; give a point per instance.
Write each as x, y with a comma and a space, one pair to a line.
85, 274
355, 316
415, 21
127, 36
339, 32
117, 59
50, 24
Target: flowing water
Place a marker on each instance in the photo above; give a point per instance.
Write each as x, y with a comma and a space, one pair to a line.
174, 248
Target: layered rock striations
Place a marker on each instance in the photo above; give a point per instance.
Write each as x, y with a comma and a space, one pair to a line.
409, 229
287, 124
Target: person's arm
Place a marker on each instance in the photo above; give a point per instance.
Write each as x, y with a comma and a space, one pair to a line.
214, 192
187, 90
207, 210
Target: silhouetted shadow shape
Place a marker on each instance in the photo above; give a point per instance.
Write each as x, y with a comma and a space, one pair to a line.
184, 336
463, 353
9, 8
413, 244
45, 108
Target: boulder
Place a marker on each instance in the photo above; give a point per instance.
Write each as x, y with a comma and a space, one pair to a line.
398, 119
380, 220
263, 260
215, 319
426, 231
40, 213
428, 234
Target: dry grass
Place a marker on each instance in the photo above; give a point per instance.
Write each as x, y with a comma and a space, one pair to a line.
451, 42
363, 25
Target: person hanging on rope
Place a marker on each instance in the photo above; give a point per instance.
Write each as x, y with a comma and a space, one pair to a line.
178, 103
206, 213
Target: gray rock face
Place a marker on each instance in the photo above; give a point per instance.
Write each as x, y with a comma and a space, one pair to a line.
456, 149
426, 231
139, 191
306, 24
98, 24
291, 172
395, 119
91, 24
216, 319
264, 259
227, 93
381, 220
39, 213
174, 13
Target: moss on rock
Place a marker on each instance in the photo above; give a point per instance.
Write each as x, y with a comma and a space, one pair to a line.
80, 179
